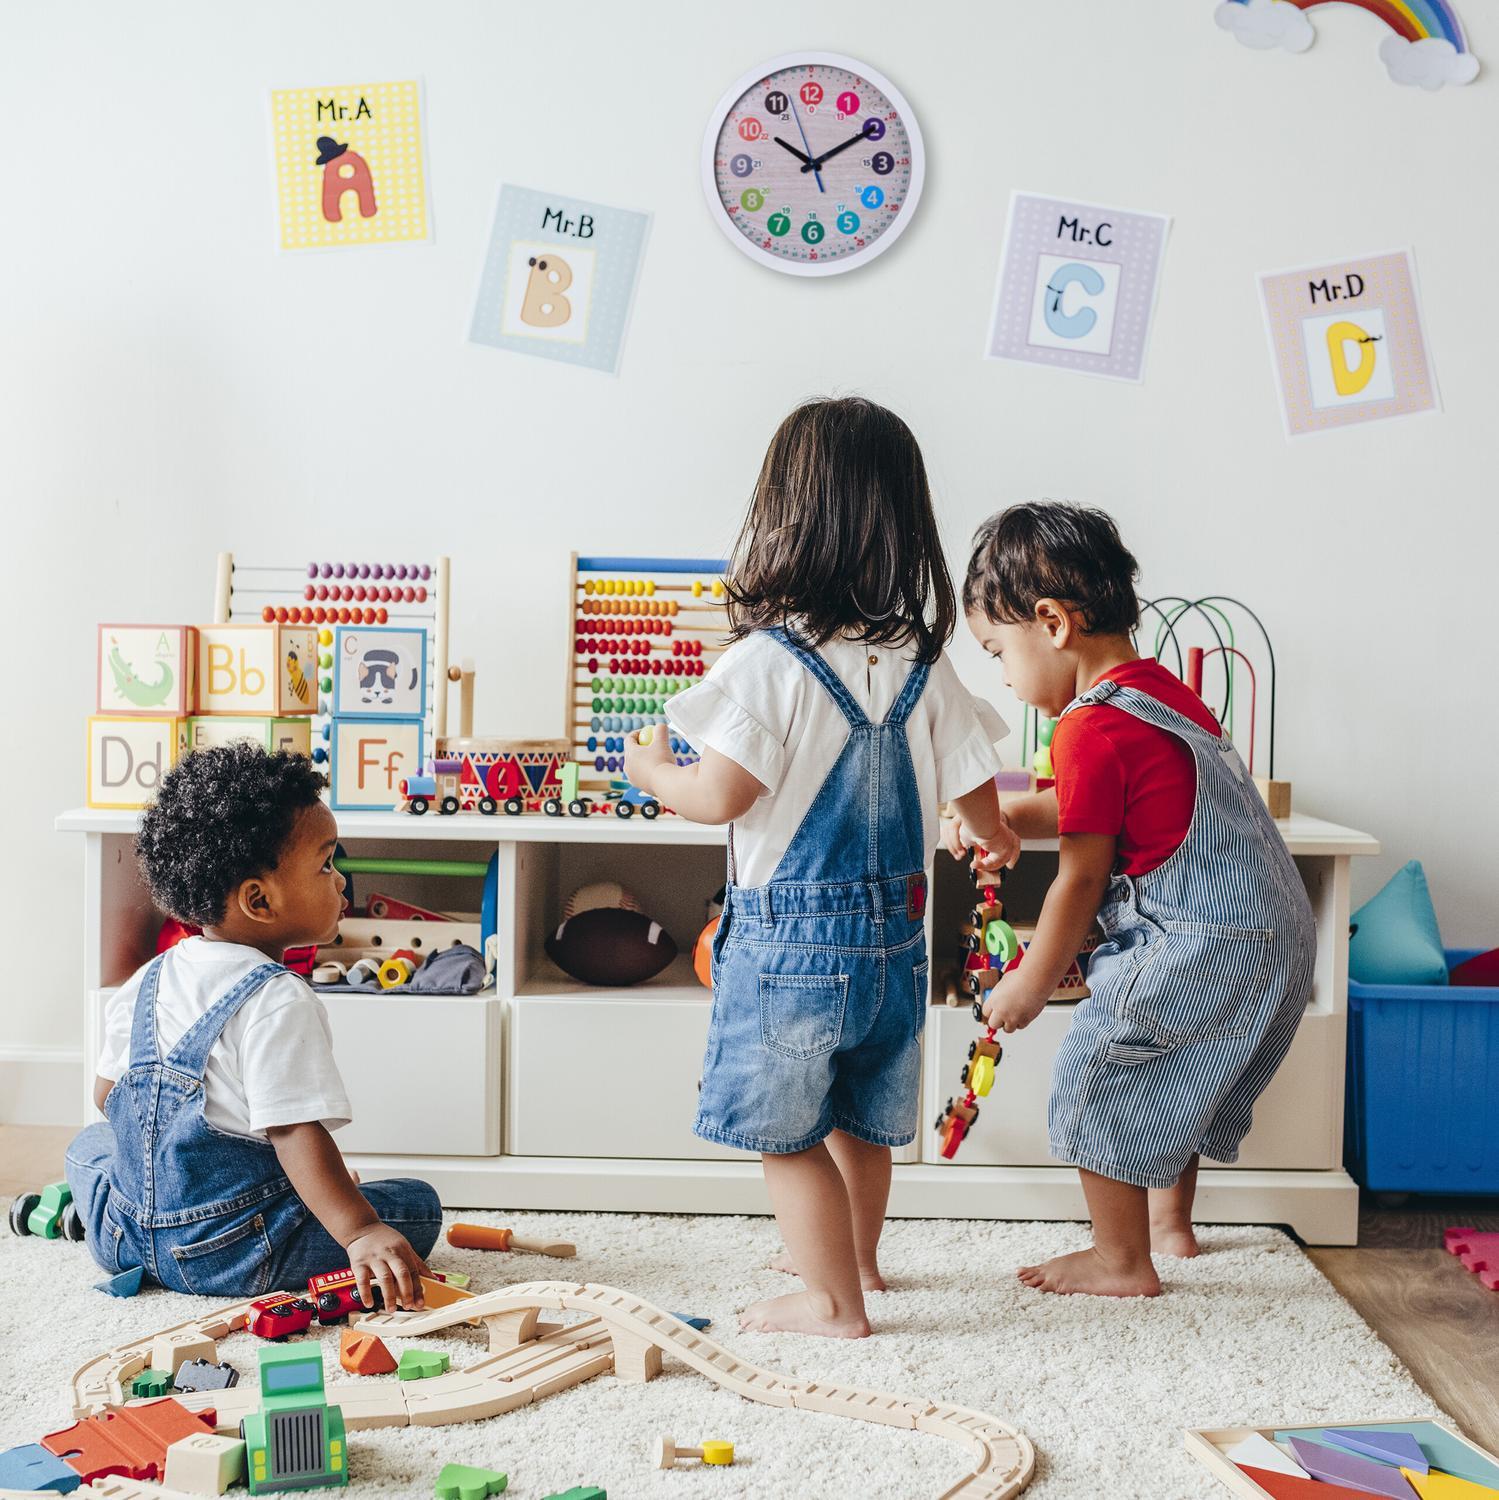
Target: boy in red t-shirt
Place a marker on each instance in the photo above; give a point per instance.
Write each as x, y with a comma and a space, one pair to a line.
1206, 966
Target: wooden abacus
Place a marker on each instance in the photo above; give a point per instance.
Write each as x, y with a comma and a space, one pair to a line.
640, 630
329, 594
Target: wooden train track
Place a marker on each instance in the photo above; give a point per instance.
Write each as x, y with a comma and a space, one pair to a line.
528, 1360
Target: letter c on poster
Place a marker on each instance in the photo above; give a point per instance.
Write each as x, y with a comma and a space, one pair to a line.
1079, 324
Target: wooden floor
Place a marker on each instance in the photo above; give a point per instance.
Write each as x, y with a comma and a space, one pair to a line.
1442, 1323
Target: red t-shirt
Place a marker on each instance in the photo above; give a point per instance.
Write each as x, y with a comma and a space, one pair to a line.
1118, 775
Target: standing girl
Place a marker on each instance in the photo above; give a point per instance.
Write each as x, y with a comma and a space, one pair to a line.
830, 729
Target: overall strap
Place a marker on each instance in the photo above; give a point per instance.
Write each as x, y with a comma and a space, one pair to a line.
1143, 706
910, 694
824, 674
190, 1055
143, 1023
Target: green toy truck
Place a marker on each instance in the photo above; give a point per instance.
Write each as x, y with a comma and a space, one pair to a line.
296, 1440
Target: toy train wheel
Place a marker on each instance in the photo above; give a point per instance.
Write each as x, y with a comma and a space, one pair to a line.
650, 810
978, 1012
623, 810
963, 1076
448, 806
488, 806
20, 1211
578, 808
552, 807
417, 806
71, 1223
514, 807
328, 1308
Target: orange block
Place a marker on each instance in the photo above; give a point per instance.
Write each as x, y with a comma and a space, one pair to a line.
364, 1354
441, 1293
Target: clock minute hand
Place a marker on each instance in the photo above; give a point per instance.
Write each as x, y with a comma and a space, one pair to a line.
787, 146
853, 140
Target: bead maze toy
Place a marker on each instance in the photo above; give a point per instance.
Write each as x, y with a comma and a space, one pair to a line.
528, 1360
640, 630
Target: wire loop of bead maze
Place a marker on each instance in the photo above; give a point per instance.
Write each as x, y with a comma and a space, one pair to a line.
640, 630
329, 594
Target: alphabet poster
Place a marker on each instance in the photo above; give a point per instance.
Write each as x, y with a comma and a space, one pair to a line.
559, 278
350, 166
1077, 286
1347, 344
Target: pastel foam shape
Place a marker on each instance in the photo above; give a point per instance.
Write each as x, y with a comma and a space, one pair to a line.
1258, 1452
1397, 1448
32, 1467
126, 1284
1448, 1487
1478, 1250
1293, 1487
1350, 1471
1395, 936
1444, 1450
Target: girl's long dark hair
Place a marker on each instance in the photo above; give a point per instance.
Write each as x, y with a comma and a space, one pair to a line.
840, 536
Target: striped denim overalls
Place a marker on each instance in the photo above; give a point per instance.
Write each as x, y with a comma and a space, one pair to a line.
1197, 989
820, 975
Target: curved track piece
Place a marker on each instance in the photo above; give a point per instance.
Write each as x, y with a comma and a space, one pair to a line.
527, 1362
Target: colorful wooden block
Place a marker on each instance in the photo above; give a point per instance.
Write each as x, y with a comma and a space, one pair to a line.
379, 672
147, 669
126, 1284
257, 669
421, 1364
127, 757
1260, 1453
579, 1492
463, 1482
292, 735
1334, 1466
1431, 1486
1443, 1449
205, 1463
1289, 1487
1397, 1448
1478, 1250
31, 1467
370, 757
364, 1354
151, 1383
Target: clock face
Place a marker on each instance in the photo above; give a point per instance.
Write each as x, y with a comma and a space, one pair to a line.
813, 164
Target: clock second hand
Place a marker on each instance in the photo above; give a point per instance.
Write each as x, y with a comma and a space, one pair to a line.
808, 144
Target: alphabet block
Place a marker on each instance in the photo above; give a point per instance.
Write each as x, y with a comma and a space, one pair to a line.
379, 672
127, 757
370, 757
147, 669
294, 735
205, 1463
257, 669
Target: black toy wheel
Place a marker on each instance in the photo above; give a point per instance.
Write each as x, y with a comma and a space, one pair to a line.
974, 1121
650, 810
514, 807
623, 810
328, 1308
20, 1211
963, 1076
972, 1048
552, 807
978, 1009
418, 806
488, 806
448, 806
71, 1224
577, 808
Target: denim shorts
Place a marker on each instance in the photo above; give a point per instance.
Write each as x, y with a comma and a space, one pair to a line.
816, 1027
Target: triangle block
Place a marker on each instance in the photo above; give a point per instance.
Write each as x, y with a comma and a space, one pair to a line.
126, 1284
1447, 1487
1290, 1487
1350, 1471
1444, 1450
364, 1354
1397, 1448
536, 775
1257, 1452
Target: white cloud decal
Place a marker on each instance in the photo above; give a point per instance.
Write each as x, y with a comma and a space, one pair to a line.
1264, 24
1430, 63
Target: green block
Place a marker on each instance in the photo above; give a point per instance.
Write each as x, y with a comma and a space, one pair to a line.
460, 1482
151, 1383
420, 1364
46, 1218
580, 1492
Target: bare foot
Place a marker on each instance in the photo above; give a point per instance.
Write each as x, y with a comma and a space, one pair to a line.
797, 1314
1087, 1272
869, 1281
1177, 1241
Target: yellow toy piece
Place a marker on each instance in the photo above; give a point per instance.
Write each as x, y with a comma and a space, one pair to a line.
1436, 1486
716, 1452
645, 735
981, 1076
395, 972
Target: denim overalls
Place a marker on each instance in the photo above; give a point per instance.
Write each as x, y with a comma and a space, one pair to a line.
1197, 990
820, 975
203, 1210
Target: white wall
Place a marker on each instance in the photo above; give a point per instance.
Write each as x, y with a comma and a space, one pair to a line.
164, 374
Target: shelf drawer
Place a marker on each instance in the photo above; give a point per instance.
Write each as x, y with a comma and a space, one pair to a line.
423, 1073
1298, 1119
608, 1074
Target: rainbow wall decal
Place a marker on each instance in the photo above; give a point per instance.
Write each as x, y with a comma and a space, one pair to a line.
1425, 45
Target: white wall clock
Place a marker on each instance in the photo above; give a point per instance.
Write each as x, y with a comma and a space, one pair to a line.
813, 164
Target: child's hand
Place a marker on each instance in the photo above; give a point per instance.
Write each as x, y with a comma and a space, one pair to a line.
1001, 850
955, 838
1010, 1005
382, 1256
641, 760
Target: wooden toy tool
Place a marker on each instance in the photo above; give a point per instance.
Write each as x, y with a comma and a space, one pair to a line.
481, 1237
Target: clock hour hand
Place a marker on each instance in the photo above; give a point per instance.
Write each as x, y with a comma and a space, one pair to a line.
853, 140
800, 155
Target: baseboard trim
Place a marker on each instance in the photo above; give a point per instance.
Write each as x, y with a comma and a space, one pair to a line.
40, 1085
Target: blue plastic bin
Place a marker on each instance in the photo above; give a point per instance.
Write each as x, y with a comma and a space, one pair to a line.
1423, 1086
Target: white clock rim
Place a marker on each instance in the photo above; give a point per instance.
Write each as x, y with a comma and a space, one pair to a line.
737, 90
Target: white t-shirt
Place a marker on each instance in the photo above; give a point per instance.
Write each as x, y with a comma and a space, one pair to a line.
761, 708
273, 1062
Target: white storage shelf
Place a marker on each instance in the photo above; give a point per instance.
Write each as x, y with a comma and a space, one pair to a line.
549, 1093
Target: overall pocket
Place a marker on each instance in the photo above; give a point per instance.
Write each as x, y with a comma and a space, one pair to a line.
801, 1015
236, 1263
1201, 981
919, 978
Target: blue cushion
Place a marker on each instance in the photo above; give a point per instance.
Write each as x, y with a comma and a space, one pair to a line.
1395, 938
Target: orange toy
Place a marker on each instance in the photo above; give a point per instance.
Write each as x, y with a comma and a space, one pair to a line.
481, 1237
364, 1354
702, 954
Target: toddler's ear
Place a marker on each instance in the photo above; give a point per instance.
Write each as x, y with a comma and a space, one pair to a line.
253, 900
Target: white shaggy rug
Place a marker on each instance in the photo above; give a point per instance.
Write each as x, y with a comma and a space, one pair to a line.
1248, 1333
